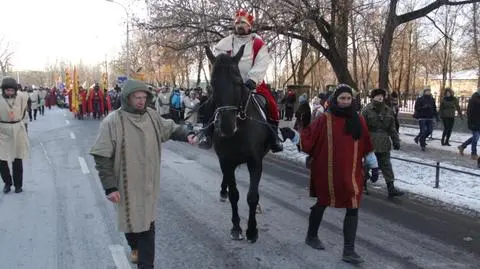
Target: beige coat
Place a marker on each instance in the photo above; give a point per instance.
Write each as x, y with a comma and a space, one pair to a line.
136, 165
13, 135
189, 105
35, 97
163, 103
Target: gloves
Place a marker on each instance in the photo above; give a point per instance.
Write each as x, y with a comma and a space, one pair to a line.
396, 146
374, 176
287, 133
251, 85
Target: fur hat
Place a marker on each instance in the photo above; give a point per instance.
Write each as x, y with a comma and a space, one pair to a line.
9, 83
376, 92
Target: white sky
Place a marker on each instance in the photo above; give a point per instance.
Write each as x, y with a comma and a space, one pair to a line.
42, 31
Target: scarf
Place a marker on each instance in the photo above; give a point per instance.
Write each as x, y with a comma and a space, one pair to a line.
353, 126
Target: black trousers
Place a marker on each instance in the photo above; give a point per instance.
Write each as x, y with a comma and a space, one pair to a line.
42, 110
447, 128
17, 166
34, 114
144, 242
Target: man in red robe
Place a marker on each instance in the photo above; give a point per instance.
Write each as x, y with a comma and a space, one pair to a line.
337, 142
95, 102
82, 102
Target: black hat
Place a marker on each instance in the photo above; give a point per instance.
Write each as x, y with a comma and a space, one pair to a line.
341, 88
9, 83
376, 92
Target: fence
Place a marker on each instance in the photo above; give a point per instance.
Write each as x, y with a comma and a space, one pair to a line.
407, 102
437, 167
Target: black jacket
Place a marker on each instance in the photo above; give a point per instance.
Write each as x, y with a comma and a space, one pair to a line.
473, 112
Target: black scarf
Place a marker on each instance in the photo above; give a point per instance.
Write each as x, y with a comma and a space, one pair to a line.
448, 98
352, 123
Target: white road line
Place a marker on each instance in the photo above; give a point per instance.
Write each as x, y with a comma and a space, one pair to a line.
119, 257
72, 135
67, 122
64, 114
83, 165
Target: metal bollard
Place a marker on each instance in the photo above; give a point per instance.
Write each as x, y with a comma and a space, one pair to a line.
437, 175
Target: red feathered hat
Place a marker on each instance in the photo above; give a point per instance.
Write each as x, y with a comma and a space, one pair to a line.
243, 15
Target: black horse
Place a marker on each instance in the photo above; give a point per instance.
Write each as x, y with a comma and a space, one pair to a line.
241, 136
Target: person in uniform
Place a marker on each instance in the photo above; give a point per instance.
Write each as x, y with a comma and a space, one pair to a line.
381, 125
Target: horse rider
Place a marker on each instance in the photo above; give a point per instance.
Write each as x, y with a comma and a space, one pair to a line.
253, 67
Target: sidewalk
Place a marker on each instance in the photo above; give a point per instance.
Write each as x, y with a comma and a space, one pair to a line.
456, 189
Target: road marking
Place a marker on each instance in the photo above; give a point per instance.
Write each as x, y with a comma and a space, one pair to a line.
119, 257
64, 114
45, 153
67, 122
72, 135
83, 165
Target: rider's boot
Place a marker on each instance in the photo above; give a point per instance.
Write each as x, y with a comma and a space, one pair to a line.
207, 142
275, 143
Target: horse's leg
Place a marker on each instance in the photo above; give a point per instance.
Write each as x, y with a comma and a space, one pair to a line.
233, 195
255, 170
224, 190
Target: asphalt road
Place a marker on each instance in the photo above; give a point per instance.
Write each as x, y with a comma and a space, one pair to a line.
62, 219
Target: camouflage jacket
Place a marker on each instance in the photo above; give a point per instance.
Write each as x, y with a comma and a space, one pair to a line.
381, 125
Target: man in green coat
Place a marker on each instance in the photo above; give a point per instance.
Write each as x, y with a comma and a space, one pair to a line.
381, 124
127, 154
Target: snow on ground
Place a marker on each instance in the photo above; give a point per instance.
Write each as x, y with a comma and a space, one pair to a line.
457, 190
460, 191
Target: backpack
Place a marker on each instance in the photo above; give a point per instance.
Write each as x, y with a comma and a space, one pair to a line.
176, 102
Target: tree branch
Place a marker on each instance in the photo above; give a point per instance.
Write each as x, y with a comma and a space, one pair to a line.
422, 12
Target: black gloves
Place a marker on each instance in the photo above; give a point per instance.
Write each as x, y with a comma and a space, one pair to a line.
374, 176
287, 133
251, 85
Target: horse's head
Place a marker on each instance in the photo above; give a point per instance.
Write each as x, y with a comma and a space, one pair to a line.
228, 91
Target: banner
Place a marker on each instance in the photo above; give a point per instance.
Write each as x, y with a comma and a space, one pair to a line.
75, 91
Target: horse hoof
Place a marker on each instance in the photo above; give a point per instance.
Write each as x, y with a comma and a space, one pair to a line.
223, 196
236, 235
252, 236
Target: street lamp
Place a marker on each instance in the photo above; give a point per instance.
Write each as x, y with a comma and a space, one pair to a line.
127, 62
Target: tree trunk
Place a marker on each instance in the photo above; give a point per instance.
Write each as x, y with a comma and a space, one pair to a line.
354, 49
341, 28
475, 39
301, 64
292, 63
199, 69
385, 49
409, 60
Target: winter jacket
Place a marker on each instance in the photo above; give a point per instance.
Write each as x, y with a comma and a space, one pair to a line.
381, 125
425, 108
473, 112
448, 107
303, 116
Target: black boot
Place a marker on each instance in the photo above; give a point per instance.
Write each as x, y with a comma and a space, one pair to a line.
275, 143
7, 188
392, 192
207, 142
316, 215
349, 233
443, 140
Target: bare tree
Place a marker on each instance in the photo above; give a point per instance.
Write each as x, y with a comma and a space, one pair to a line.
5, 56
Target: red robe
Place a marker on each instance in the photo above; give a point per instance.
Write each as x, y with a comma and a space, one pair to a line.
83, 101
108, 102
336, 176
90, 101
273, 113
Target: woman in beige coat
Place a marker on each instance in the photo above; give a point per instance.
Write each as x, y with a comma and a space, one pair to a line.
13, 134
